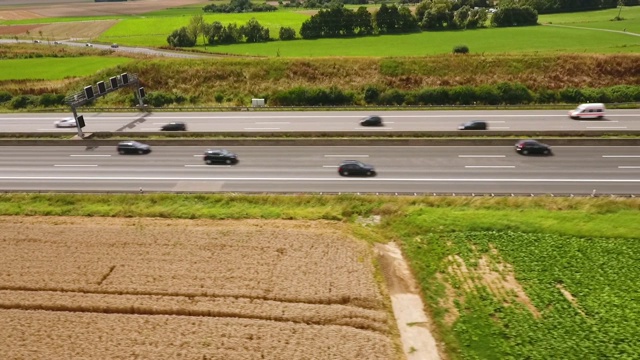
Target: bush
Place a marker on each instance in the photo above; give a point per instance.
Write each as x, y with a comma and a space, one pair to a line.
571, 95
181, 38
461, 49
301, 96
462, 95
514, 93
287, 33
159, 99
5, 96
392, 97
433, 96
514, 16
23, 101
49, 100
371, 95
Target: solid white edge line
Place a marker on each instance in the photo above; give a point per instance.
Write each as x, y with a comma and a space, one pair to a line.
621, 156
489, 166
262, 128
606, 127
77, 165
353, 156
628, 167
330, 166
90, 155
482, 156
322, 179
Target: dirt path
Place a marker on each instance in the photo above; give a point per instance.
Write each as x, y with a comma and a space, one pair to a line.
417, 341
595, 29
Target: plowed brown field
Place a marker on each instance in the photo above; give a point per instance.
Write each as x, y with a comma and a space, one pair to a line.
97, 288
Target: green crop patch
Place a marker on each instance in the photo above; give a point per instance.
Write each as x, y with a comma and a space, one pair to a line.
502, 294
56, 68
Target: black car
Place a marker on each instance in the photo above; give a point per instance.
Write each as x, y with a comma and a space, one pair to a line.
174, 126
355, 168
526, 147
133, 147
372, 120
220, 156
473, 125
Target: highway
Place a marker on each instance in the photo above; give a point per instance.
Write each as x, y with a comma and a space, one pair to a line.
327, 121
423, 169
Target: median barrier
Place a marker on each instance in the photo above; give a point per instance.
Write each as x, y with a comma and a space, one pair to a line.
308, 139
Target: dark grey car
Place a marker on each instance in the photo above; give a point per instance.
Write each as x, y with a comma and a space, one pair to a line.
133, 147
372, 120
526, 147
355, 168
220, 156
473, 125
174, 126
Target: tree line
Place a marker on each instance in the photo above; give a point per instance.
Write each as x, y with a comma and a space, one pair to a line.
338, 21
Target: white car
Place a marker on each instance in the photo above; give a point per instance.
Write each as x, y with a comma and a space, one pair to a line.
65, 123
88, 44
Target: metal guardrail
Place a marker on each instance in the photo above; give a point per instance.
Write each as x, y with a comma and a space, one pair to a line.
338, 193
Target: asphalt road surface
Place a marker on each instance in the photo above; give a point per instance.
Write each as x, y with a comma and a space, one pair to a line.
272, 121
443, 170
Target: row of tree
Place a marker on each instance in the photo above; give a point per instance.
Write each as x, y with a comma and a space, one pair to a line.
429, 15
216, 33
238, 6
339, 21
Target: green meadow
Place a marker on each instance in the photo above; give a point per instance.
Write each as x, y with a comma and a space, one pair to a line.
546, 38
153, 31
542, 39
56, 68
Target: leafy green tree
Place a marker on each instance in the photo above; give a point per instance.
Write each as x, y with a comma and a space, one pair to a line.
196, 27
514, 16
363, 22
406, 21
181, 38
383, 19
287, 33
214, 32
310, 28
231, 34
254, 32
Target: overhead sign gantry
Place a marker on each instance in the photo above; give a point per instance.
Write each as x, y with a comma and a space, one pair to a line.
100, 89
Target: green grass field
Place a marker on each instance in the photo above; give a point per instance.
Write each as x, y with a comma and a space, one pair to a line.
153, 31
56, 68
543, 39
585, 247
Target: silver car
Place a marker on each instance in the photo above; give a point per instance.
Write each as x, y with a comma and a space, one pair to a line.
65, 123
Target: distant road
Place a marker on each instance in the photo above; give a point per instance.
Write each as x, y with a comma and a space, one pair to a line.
415, 169
129, 49
345, 121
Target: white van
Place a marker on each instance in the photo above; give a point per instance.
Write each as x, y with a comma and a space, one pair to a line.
588, 111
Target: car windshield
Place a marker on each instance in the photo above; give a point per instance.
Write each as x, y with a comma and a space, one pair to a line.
218, 152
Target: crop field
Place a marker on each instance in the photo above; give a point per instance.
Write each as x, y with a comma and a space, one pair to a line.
158, 288
532, 295
56, 68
